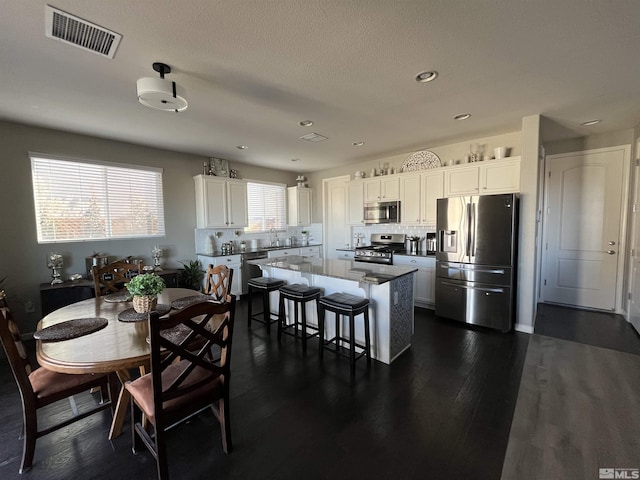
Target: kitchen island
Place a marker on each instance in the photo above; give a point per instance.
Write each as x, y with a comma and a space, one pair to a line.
389, 289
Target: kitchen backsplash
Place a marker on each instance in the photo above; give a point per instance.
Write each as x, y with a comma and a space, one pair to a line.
212, 239
364, 232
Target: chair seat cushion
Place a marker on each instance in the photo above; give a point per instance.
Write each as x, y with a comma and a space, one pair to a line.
142, 391
49, 385
300, 291
343, 301
265, 282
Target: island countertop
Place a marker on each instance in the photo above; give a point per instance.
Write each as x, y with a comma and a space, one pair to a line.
344, 269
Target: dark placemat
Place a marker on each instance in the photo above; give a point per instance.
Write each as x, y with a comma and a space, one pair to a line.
130, 315
123, 296
71, 329
190, 300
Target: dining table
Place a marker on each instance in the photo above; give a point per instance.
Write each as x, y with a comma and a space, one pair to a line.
118, 347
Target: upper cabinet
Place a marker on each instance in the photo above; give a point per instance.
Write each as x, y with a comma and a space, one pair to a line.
494, 176
220, 202
432, 184
382, 189
418, 195
410, 203
298, 206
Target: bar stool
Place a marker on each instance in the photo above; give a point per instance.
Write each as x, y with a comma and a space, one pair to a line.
299, 294
351, 306
265, 286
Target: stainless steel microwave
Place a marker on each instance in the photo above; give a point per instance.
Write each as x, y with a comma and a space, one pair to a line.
382, 212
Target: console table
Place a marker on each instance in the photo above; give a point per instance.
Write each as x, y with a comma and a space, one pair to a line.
53, 297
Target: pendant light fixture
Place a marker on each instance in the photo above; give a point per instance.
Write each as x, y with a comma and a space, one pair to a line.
160, 93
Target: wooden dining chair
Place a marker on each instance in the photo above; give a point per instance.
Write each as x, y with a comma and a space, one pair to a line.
218, 281
40, 387
112, 277
175, 390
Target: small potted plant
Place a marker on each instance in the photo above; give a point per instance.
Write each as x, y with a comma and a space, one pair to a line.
191, 275
145, 289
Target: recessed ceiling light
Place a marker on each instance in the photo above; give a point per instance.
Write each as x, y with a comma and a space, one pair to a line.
590, 122
358, 144
295, 159
305, 123
242, 147
424, 77
462, 116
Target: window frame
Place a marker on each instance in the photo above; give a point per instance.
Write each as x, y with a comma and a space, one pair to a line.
109, 202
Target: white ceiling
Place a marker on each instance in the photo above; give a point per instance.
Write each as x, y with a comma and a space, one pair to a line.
253, 69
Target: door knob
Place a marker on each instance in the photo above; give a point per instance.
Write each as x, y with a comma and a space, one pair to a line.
612, 242
611, 252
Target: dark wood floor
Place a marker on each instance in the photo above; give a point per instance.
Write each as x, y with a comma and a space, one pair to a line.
600, 329
442, 410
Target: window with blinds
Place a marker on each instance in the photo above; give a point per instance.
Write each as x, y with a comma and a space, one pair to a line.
80, 200
266, 204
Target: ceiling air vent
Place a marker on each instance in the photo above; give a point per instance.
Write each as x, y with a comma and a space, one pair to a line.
313, 137
69, 29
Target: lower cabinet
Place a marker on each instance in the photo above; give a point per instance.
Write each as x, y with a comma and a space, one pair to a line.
231, 261
424, 292
345, 255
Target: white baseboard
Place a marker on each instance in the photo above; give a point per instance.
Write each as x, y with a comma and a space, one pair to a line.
520, 327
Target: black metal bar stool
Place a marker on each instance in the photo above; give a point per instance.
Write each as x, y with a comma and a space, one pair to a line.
299, 294
351, 306
265, 286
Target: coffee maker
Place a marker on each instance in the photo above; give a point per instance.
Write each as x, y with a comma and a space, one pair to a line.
431, 243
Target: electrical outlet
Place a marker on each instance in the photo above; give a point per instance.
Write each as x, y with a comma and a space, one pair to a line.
28, 307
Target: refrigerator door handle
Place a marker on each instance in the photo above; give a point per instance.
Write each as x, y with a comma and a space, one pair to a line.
468, 245
470, 287
472, 233
447, 266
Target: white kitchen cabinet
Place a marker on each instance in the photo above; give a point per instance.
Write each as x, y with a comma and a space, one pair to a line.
283, 252
483, 178
462, 181
410, 198
432, 189
382, 189
343, 255
232, 261
500, 176
419, 194
424, 293
298, 206
355, 208
220, 203
310, 251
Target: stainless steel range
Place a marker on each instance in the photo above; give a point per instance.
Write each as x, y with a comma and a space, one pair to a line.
382, 247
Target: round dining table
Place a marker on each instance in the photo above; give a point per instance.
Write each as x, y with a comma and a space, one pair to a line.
118, 347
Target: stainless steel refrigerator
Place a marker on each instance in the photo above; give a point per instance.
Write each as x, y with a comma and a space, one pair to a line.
476, 259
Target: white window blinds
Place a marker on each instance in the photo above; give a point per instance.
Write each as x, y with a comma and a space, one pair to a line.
267, 206
82, 200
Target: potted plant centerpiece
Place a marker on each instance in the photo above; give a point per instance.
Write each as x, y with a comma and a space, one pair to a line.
145, 289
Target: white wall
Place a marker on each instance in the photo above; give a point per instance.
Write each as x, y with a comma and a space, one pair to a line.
23, 260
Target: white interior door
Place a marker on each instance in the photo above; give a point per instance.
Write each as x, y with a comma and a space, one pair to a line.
583, 228
337, 233
633, 315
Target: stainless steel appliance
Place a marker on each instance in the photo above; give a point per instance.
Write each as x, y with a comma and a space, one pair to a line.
381, 250
250, 271
431, 243
382, 212
476, 259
